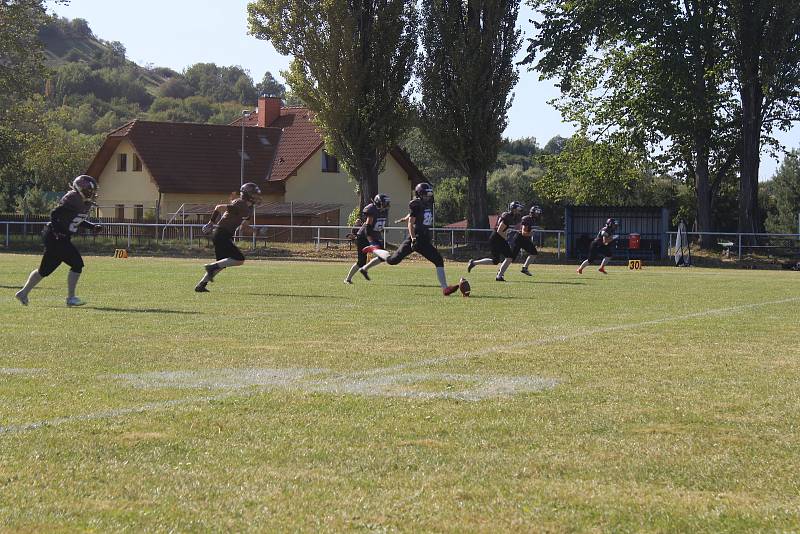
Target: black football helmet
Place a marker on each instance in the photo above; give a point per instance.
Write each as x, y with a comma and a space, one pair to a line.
535, 211
86, 187
424, 191
612, 224
516, 207
251, 193
381, 201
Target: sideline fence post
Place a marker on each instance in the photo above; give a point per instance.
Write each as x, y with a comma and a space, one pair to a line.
453, 242
8, 243
319, 229
740, 246
558, 246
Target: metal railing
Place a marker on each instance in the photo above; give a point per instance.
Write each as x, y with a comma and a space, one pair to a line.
742, 243
129, 234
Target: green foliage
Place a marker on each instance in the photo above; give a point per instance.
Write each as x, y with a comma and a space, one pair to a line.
35, 201
270, 86
786, 196
352, 65
427, 158
451, 199
466, 77
221, 84
588, 172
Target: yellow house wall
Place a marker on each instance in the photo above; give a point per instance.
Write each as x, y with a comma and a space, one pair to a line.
125, 187
312, 185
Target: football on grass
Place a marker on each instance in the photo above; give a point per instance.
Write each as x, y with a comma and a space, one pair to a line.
463, 285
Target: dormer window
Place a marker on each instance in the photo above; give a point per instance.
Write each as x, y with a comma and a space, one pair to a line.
122, 162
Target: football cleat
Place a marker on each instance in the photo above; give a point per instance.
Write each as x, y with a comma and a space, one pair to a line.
21, 297
449, 290
464, 286
499, 278
212, 271
201, 288
602, 270
470, 265
348, 282
364, 274
525, 271
579, 270
74, 301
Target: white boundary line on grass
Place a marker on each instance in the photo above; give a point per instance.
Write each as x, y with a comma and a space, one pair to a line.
348, 380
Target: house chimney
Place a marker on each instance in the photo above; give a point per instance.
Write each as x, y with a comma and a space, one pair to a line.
269, 109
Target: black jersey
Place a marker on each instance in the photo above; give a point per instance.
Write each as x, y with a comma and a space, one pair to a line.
527, 223
236, 213
508, 218
423, 215
604, 232
379, 217
70, 214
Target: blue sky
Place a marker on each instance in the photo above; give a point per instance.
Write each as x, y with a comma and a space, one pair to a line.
179, 33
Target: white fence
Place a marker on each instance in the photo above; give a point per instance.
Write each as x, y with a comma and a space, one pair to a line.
130, 234
739, 244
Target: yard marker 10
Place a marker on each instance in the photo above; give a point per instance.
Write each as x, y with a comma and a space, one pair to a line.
120, 253
635, 265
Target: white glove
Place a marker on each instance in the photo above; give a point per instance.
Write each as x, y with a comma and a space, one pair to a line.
208, 228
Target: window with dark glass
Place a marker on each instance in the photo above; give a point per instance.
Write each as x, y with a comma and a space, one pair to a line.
120, 211
122, 162
329, 163
137, 163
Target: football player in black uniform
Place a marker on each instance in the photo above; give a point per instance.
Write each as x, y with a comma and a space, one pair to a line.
369, 237
498, 241
65, 220
420, 220
523, 239
601, 246
228, 217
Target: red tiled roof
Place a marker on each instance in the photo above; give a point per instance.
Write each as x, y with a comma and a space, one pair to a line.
301, 140
195, 158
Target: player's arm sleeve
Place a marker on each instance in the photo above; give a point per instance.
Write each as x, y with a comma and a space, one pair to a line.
88, 225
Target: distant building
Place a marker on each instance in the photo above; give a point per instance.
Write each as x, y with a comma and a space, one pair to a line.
150, 168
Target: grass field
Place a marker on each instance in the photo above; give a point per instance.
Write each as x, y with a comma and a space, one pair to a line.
661, 400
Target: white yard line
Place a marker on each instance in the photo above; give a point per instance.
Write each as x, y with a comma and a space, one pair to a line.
350, 381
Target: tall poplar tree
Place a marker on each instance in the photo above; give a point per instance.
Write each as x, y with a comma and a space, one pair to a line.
352, 61
466, 78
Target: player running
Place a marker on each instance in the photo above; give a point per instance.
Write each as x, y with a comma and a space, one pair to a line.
601, 246
498, 241
523, 239
65, 220
369, 237
420, 220
230, 216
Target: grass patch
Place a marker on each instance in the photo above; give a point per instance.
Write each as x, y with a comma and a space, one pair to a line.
657, 400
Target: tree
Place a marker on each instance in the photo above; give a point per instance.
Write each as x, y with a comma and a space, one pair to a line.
353, 60
786, 196
655, 76
765, 42
21, 65
589, 172
466, 77
270, 86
